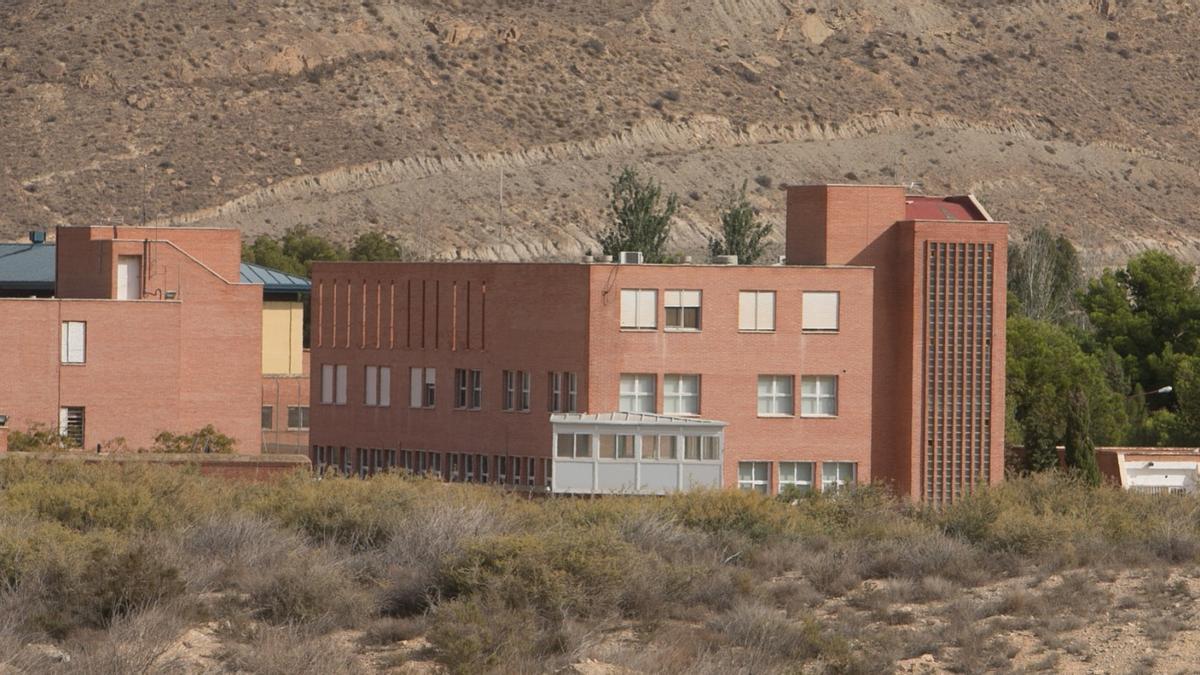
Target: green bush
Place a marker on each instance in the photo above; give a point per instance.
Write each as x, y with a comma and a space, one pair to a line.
207, 439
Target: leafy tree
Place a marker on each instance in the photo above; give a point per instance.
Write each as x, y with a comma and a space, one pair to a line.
373, 245
1045, 364
742, 233
1044, 277
300, 243
640, 222
1147, 313
1081, 453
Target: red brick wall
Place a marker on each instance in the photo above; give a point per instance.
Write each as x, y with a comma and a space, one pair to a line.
729, 362
152, 365
490, 317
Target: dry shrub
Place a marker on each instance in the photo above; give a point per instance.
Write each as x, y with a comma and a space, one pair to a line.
359, 514
293, 650
431, 535
133, 644
311, 588
230, 551
389, 630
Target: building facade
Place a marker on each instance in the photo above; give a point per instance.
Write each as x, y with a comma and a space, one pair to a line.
125, 332
875, 354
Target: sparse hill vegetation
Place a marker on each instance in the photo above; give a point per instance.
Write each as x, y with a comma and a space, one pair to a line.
488, 129
136, 569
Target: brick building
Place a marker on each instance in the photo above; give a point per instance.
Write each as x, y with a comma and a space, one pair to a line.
875, 353
123, 332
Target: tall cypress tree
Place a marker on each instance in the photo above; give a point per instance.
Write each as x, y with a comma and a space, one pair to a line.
640, 223
1081, 453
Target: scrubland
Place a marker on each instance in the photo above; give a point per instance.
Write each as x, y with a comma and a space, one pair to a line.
105, 569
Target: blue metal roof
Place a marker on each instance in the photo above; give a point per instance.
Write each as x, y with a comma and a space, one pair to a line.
31, 267
27, 267
273, 280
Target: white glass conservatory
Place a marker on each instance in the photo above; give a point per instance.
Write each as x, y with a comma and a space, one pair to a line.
635, 453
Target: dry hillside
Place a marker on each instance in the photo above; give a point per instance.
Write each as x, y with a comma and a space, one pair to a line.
489, 128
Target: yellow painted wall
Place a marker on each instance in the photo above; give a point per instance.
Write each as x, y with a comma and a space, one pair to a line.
283, 338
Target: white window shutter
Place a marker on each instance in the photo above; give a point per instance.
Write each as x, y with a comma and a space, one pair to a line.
385, 386
765, 311
62, 421
673, 299
77, 330
647, 309
66, 341
430, 376
341, 385
820, 311
414, 383
746, 310
372, 385
689, 298
327, 383
628, 308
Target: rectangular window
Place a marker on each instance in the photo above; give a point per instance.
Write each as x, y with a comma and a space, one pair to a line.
818, 396
430, 387
297, 417
268, 417
668, 447
637, 393
525, 383
502, 469
691, 448
639, 308
510, 389
820, 311
377, 386
572, 393
461, 388
554, 389
70, 425
753, 476
530, 470
620, 446
74, 342
574, 446
775, 395
327, 383
711, 448
798, 475
422, 387
341, 386
681, 394
682, 310
837, 475
756, 310
476, 389
371, 380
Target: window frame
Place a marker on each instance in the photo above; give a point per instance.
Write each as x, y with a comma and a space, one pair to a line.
774, 395
268, 418
680, 304
680, 396
753, 483
808, 486
641, 296
819, 396
838, 483
638, 395
66, 343
757, 295
837, 314
303, 413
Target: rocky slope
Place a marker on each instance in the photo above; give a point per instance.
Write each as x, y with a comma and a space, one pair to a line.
490, 128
